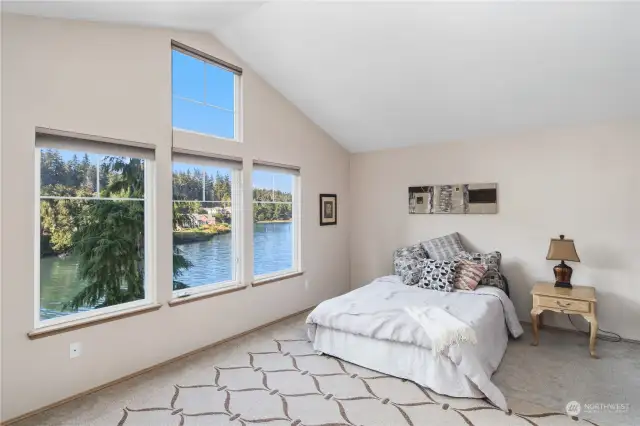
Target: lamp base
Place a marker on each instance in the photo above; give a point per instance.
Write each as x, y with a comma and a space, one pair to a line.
560, 284
563, 274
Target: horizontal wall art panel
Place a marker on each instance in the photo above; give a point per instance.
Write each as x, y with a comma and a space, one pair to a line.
467, 198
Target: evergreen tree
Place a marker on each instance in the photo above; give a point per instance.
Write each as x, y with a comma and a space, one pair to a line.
74, 178
109, 239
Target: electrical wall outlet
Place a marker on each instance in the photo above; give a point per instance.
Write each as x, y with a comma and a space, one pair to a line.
306, 284
75, 350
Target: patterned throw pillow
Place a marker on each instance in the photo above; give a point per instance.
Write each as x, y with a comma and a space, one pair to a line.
495, 279
492, 260
407, 262
468, 275
443, 248
438, 274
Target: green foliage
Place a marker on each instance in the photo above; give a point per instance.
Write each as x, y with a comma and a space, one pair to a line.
59, 218
109, 239
180, 265
271, 205
74, 174
110, 246
188, 186
107, 236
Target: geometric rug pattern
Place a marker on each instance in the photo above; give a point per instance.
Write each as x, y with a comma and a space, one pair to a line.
287, 383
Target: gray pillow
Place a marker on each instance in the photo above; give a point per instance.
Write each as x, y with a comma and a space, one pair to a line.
443, 248
407, 263
438, 274
492, 260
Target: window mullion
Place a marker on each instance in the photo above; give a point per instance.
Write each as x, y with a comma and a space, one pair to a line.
204, 86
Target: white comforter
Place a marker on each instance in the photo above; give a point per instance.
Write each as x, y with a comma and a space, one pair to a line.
378, 311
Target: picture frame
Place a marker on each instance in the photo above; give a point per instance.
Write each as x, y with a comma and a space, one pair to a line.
328, 209
464, 198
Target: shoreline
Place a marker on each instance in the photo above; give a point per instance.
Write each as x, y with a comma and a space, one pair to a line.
186, 237
274, 221
181, 237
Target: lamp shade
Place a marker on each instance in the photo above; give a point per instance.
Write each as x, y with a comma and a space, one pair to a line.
561, 249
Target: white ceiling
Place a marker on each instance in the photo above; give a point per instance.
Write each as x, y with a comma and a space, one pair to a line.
381, 75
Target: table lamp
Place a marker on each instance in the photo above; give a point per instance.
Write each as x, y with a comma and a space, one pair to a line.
561, 249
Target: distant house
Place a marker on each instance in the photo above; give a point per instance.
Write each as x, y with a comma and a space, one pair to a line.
219, 210
205, 219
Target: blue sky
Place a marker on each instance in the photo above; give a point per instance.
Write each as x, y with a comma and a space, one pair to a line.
203, 96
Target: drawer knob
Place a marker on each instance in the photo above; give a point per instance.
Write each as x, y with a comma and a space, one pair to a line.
563, 306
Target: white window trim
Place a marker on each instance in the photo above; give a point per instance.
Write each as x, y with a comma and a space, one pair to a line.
238, 112
206, 135
237, 103
150, 289
296, 222
236, 241
204, 288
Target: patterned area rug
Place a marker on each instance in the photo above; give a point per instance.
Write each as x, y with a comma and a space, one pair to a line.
287, 383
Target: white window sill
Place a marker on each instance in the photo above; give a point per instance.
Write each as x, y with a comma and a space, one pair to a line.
64, 327
275, 278
180, 300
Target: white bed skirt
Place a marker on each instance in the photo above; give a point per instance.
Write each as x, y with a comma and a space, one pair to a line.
406, 361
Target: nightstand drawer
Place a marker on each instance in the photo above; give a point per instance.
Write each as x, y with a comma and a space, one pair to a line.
564, 304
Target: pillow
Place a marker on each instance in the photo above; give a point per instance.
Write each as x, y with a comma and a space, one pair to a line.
407, 262
438, 274
492, 260
494, 279
468, 275
443, 248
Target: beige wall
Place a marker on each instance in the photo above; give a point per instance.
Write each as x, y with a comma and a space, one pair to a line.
115, 81
581, 182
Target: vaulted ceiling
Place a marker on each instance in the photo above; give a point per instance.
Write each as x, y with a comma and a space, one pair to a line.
382, 75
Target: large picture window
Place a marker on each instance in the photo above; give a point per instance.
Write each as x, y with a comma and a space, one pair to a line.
205, 238
205, 93
94, 228
275, 217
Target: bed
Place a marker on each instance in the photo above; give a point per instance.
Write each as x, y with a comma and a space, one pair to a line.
370, 327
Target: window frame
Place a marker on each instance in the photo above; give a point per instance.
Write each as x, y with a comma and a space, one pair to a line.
296, 266
236, 235
150, 283
237, 91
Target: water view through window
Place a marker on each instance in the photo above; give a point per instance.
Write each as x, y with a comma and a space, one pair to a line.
273, 238
202, 225
203, 241
211, 263
92, 231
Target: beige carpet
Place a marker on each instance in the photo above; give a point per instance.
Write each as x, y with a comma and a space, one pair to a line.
286, 383
273, 377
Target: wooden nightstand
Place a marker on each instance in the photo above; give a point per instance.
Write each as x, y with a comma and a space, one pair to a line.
579, 300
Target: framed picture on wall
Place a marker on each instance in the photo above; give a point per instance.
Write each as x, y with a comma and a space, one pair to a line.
328, 209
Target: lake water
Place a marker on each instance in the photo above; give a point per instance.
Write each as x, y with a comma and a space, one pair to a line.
212, 262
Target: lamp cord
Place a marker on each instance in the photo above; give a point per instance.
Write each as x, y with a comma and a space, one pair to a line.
609, 336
